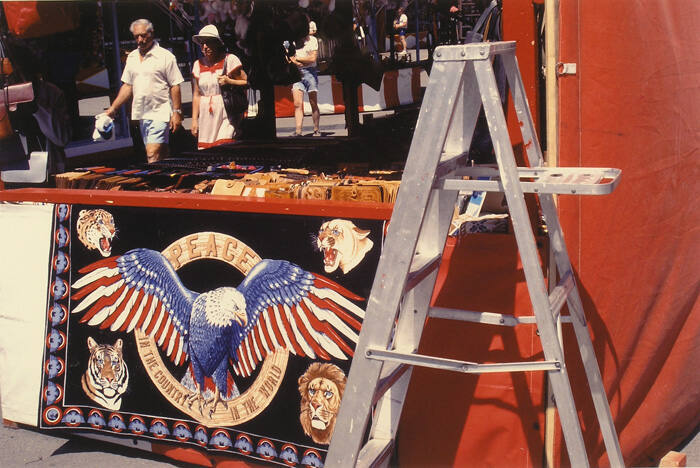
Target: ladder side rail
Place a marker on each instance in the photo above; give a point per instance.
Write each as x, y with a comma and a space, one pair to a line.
412, 201
522, 110
598, 393
585, 345
563, 262
530, 259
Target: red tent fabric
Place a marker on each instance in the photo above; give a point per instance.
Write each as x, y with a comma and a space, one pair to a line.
633, 104
28, 19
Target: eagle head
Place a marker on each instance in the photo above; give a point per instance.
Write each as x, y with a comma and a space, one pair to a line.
224, 306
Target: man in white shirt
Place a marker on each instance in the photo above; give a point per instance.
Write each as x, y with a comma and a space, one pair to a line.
305, 59
152, 77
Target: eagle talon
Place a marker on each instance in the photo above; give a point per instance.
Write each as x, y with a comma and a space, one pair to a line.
214, 401
196, 396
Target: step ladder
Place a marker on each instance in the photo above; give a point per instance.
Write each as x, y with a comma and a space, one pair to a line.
461, 82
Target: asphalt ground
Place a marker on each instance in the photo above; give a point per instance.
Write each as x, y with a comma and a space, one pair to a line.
30, 448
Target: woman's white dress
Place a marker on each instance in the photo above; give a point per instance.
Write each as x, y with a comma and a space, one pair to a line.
214, 126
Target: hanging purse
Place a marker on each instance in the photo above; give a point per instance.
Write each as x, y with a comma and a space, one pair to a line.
16, 94
235, 99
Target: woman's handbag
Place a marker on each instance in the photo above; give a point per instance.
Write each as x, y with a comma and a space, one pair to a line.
235, 99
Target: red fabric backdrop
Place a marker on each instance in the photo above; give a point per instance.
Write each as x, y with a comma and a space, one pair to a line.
453, 419
39, 18
633, 104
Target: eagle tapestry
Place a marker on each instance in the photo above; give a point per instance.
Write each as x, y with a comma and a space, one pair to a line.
206, 329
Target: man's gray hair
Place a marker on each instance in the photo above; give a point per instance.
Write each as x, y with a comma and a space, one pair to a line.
144, 22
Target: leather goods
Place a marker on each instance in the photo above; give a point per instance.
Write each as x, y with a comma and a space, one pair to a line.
228, 187
279, 190
317, 190
364, 193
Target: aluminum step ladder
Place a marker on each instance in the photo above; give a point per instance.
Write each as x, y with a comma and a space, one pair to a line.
461, 81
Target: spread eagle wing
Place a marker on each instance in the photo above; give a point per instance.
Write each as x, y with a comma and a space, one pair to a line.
139, 289
291, 308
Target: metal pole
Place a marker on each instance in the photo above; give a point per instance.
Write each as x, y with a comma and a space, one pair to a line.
372, 26
551, 42
417, 30
122, 119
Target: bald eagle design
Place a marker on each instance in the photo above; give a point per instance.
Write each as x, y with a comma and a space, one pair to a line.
278, 305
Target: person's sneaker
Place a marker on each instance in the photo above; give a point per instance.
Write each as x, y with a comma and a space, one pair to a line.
296, 134
316, 133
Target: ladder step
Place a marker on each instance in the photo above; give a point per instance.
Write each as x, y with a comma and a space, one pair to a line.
449, 163
460, 366
421, 267
374, 452
561, 180
558, 296
388, 379
490, 318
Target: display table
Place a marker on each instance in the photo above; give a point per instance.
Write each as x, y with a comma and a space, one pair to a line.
105, 329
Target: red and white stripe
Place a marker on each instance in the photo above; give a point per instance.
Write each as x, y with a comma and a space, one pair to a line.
323, 325
399, 88
109, 302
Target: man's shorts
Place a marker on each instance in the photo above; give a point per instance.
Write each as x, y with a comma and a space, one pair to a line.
309, 80
154, 131
402, 32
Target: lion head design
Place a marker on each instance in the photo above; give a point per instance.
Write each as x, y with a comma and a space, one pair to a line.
96, 230
321, 388
343, 244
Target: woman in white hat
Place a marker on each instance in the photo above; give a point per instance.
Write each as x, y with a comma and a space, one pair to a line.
210, 124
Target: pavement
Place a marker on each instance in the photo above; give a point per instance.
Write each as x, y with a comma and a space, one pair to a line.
24, 447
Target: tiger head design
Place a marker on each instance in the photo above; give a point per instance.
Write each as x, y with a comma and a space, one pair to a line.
96, 230
107, 376
343, 244
321, 388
